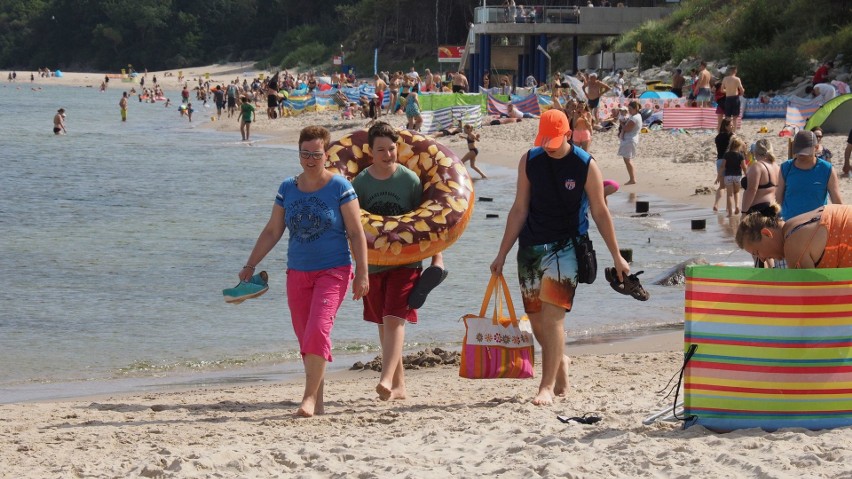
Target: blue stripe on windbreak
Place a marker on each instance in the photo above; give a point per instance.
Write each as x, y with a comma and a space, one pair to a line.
743, 360
693, 327
721, 425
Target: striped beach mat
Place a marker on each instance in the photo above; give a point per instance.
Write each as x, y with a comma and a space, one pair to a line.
773, 348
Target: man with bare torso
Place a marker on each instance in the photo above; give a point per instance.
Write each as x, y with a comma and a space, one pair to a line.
381, 86
594, 89
460, 84
59, 122
678, 81
733, 91
703, 93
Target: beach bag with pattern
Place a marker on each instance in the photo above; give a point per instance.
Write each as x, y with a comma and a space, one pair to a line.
495, 346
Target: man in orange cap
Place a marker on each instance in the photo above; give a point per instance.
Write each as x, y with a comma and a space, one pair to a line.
558, 184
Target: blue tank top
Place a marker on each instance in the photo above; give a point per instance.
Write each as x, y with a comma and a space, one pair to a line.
805, 190
559, 206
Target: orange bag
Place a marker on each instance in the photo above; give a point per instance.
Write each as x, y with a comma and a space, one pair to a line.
496, 347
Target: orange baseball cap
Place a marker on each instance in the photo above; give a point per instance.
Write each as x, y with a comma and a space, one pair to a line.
553, 126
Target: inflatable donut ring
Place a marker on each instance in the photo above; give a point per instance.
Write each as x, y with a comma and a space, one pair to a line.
444, 210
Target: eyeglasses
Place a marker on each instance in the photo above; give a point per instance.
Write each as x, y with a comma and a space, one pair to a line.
306, 155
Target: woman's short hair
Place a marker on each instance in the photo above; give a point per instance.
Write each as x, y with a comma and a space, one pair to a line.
315, 132
753, 223
381, 129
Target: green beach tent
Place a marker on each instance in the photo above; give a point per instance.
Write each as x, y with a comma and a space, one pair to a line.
835, 116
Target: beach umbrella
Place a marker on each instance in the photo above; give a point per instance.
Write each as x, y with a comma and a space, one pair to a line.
576, 86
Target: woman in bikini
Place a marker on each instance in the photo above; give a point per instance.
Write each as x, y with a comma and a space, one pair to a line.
761, 179
582, 135
821, 238
472, 150
393, 87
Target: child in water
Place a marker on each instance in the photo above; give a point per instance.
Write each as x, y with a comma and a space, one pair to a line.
472, 150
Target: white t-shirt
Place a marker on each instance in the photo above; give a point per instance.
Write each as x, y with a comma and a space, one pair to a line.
619, 87
531, 81
515, 113
633, 135
825, 91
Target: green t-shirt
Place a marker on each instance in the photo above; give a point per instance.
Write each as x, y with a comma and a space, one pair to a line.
396, 195
247, 109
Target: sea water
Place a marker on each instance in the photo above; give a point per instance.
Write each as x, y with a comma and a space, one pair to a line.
117, 239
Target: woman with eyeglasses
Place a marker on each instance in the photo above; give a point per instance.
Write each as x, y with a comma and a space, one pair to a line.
822, 153
322, 212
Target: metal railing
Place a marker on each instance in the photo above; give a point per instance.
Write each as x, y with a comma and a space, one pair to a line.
527, 14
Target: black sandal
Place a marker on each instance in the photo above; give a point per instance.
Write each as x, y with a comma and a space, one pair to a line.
429, 279
629, 287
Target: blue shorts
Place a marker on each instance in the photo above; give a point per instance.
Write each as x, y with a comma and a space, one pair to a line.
703, 95
547, 273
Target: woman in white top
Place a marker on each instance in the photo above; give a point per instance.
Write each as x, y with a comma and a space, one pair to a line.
629, 136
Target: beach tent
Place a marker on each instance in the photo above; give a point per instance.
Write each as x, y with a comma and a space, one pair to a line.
772, 348
58, 73
658, 95
835, 116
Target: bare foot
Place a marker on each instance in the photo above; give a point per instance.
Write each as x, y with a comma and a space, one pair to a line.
543, 398
631, 182
737, 212
562, 380
308, 408
398, 394
715, 208
384, 392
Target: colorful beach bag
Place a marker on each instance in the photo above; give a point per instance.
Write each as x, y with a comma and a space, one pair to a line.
495, 346
772, 348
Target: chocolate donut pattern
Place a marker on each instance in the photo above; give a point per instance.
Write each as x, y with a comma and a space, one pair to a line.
444, 210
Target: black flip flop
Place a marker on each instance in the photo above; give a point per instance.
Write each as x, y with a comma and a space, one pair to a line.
430, 278
587, 418
629, 287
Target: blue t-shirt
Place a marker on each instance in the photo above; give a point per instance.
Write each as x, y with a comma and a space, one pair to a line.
318, 237
804, 190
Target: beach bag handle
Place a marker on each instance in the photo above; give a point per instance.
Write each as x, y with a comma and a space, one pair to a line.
498, 300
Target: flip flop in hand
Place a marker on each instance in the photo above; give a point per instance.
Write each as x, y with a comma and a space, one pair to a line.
629, 287
429, 279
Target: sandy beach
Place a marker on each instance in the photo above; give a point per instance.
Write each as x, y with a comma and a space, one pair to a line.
448, 426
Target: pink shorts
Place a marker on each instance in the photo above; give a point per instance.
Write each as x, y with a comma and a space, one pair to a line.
314, 298
580, 136
388, 295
